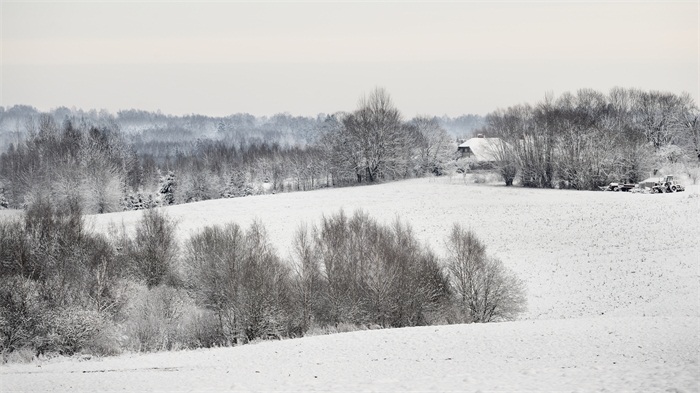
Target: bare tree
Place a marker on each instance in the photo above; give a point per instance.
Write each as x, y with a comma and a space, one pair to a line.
307, 284
265, 301
238, 275
433, 144
155, 249
102, 181
375, 129
687, 120
655, 113
485, 289
509, 127
215, 259
374, 274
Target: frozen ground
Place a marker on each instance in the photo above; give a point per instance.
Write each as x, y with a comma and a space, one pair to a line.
613, 289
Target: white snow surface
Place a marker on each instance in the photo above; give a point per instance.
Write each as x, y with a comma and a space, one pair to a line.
613, 283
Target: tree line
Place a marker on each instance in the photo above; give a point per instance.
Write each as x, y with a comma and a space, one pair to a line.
65, 289
580, 141
110, 170
588, 139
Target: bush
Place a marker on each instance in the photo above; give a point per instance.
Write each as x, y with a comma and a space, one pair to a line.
57, 283
21, 313
373, 274
14, 249
163, 318
29, 321
238, 276
485, 289
22, 355
317, 330
203, 328
72, 330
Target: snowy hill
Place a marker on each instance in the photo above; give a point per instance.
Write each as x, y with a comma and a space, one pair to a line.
613, 299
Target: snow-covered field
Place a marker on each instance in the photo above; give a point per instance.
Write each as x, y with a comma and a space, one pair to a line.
613, 285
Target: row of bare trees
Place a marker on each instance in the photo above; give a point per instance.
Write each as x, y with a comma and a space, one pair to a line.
580, 141
588, 139
64, 289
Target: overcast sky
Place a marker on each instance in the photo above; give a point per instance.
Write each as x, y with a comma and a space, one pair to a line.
311, 57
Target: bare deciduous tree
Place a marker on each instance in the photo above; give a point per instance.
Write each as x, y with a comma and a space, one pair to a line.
375, 131
486, 289
237, 275
155, 249
508, 126
375, 274
307, 283
214, 259
433, 144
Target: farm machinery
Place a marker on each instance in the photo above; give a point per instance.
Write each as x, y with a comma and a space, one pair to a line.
618, 187
666, 184
651, 185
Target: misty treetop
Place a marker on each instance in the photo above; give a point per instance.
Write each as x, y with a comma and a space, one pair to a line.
140, 159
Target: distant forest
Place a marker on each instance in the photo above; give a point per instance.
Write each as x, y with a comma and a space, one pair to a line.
142, 126
137, 159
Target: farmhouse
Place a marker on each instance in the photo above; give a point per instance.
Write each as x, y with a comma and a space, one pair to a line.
479, 149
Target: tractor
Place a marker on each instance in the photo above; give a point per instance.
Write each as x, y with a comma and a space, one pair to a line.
666, 184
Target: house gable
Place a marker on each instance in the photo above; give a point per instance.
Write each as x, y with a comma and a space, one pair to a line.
480, 148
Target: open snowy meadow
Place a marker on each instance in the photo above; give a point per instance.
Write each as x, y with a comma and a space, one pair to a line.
613, 290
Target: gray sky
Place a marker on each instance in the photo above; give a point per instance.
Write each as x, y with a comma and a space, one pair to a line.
305, 58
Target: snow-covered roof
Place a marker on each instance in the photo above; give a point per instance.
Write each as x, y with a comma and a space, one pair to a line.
482, 148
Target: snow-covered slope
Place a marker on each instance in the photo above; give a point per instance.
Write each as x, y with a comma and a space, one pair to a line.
613, 285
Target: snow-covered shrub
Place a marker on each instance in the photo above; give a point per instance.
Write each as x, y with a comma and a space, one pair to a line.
103, 192
167, 188
479, 178
21, 312
56, 283
4, 203
22, 355
143, 201
163, 318
203, 328
29, 321
322, 330
236, 185
196, 185
73, 329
